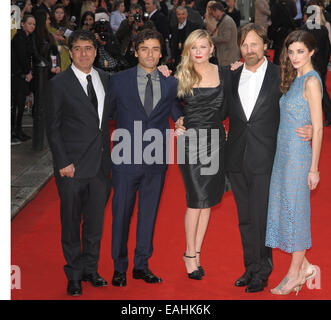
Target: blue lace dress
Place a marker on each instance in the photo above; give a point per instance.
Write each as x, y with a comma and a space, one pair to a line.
288, 223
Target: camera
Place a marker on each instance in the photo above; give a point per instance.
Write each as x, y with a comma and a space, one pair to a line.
137, 16
101, 28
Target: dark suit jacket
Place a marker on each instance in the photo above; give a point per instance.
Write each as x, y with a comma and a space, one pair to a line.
252, 143
322, 54
175, 51
161, 23
125, 101
73, 126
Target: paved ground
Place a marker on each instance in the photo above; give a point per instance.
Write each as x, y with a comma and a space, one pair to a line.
30, 170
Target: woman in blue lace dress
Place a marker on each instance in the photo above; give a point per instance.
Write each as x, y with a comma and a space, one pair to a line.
295, 170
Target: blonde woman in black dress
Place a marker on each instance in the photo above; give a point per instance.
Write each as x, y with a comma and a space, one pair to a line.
200, 86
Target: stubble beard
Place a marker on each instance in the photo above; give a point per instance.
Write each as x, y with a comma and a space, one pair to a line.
252, 60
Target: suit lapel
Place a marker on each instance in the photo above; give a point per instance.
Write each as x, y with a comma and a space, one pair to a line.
105, 82
237, 101
263, 94
163, 92
77, 87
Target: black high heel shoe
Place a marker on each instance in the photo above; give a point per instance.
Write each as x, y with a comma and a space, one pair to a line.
202, 272
195, 275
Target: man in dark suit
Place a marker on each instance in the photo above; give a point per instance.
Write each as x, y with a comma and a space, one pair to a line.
193, 14
77, 128
252, 94
159, 19
298, 19
143, 100
180, 33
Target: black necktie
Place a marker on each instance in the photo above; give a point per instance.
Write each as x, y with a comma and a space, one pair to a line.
91, 93
148, 104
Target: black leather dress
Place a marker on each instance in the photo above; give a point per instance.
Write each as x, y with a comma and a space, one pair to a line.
202, 168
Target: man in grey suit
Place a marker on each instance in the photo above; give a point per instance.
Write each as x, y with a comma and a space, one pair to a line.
225, 36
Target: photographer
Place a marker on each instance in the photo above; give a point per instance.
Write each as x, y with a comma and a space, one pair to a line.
59, 28
108, 53
127, 32
87, 21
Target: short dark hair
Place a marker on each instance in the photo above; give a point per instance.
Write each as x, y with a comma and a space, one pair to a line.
217, 6
117, 3
85, 35
147, 34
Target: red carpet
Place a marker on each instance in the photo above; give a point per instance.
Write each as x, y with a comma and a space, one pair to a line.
36, 249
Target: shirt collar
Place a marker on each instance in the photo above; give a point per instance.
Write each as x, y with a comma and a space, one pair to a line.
152, 13
142, 73
261, 69
80, 74
182, 26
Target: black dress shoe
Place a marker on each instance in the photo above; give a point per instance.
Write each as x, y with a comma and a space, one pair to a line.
119, 279
145, 275
74, 288
22, 136
256, 285
95, 279
244, 280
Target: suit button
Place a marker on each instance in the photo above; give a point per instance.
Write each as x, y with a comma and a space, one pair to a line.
102, 149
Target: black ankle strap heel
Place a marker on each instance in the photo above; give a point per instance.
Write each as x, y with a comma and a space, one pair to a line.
195, 275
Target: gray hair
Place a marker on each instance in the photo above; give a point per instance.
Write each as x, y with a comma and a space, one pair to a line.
181, 8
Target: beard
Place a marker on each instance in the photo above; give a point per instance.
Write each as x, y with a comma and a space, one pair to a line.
252, 59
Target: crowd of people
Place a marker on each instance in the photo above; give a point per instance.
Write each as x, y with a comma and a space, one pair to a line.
274, 112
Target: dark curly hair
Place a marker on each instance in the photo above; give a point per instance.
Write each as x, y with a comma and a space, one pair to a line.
287, 72
84, 35
147, 34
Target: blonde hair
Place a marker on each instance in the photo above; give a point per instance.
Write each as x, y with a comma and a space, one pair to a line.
209, 4
86, 6
186, 74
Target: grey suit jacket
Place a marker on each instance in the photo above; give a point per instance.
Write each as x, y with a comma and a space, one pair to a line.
225, 40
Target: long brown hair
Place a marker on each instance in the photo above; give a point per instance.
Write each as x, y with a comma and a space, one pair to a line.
287, 72
244, 30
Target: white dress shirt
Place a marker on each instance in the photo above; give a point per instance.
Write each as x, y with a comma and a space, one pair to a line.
182, 26
249, 87
97, 84
150, 15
